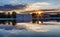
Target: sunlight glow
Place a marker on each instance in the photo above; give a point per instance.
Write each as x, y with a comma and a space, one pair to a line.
39, 12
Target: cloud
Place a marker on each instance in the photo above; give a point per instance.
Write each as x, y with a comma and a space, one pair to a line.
41, 3
14, 2
11, 7
38, 5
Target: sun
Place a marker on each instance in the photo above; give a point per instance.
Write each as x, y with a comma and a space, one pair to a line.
39, 12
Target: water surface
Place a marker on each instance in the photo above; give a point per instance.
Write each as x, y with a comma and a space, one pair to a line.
47, 29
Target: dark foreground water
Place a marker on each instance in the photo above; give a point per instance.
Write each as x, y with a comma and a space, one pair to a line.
48, 29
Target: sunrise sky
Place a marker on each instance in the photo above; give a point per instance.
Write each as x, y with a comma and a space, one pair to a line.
33, 4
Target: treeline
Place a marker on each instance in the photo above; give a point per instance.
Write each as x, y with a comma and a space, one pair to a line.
36, 17
3, 15
56, 15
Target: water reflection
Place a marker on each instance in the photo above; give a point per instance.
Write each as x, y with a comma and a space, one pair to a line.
32, 27
30, 30
8, 22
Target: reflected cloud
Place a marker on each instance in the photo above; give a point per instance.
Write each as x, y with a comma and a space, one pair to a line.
33, 27
29, 29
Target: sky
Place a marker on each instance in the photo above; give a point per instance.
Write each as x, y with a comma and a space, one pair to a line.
33, 4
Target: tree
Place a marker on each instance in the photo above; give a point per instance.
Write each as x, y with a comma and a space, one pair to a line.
9, 16
14, 18
14, 14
